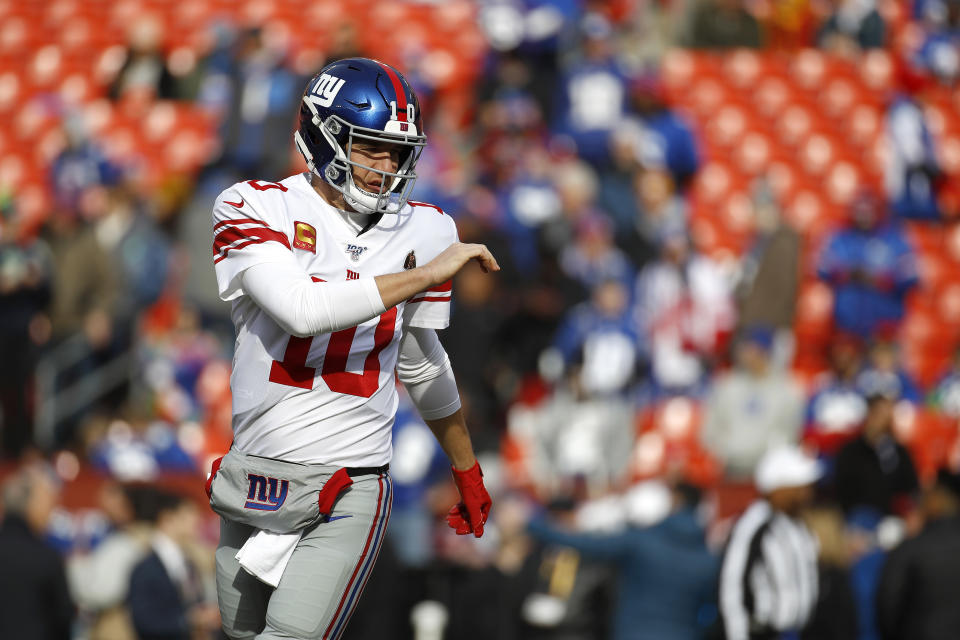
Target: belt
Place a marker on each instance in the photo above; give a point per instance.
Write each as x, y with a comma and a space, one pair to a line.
353, 472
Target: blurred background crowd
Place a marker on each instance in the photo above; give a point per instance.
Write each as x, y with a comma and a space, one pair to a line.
725, 226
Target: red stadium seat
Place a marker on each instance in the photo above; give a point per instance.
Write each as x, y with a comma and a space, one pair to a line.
727, 128
843, 180
876, 70
771, 96
839, 97
795, 125
808, 69
930, 436
742, 68
9, 92
752, 155
816, 154
864, 124
706, 96
948, 152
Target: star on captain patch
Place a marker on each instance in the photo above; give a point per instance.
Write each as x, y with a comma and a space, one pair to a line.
411, 261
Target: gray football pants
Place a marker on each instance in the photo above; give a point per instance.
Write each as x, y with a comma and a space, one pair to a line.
324, 579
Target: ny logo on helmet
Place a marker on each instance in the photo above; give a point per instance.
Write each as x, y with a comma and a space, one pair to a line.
326, 90
266, 494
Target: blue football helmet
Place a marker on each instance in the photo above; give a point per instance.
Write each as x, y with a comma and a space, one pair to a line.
358, 99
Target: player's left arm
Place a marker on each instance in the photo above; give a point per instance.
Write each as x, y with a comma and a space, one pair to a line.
424, 369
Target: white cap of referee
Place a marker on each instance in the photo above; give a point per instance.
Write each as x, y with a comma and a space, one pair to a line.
786, 467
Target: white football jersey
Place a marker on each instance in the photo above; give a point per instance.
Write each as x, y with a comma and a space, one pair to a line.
330, 398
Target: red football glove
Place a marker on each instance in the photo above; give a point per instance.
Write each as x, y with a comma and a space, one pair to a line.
470, 514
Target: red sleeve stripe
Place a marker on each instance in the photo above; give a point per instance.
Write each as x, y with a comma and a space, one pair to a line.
430, 299
231, 235
441, 288
240, 245
224, 223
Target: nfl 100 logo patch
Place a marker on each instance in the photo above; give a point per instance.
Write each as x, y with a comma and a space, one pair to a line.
355, 250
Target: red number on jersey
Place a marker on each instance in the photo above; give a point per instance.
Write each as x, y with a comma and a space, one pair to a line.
263, 185
335, 372
293, 372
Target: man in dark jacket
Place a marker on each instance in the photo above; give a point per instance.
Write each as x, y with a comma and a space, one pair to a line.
917, 596
34, 600
875, 470
165, 592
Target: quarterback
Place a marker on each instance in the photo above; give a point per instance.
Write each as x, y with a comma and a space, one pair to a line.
338, 284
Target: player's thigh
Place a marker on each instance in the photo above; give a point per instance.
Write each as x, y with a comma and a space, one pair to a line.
326, 574
241, 597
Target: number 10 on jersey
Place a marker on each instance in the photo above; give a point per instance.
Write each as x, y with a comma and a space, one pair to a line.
293, 371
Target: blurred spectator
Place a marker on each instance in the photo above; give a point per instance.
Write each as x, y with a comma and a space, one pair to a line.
751, 409
766, 290
578, 438
85, 282
871, 267
666, 140
945, 396
599, 340
80, 166
592, 93
25, 284
912, 175
617, 194
165, 595
138, 248
938, 55
875, 470
564, 594
853, 26
723, 24
665, 573
685, 313
883, 373
592, 258
769, 579
517, 88
264, 95
99, 579
835, 615
530, 200
576, 185
836, 408
144, 68
917, 594
663, 209
34, 600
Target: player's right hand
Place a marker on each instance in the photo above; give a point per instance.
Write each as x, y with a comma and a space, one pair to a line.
448, 263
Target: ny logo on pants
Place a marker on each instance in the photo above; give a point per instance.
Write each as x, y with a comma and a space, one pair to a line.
263, 499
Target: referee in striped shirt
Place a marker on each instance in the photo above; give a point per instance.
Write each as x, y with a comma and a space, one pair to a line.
768, 581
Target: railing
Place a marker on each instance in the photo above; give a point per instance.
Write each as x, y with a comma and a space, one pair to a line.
53, 405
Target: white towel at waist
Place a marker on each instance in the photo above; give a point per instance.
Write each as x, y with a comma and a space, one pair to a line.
265, 554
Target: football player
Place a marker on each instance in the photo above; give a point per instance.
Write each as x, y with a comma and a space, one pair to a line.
336, 281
